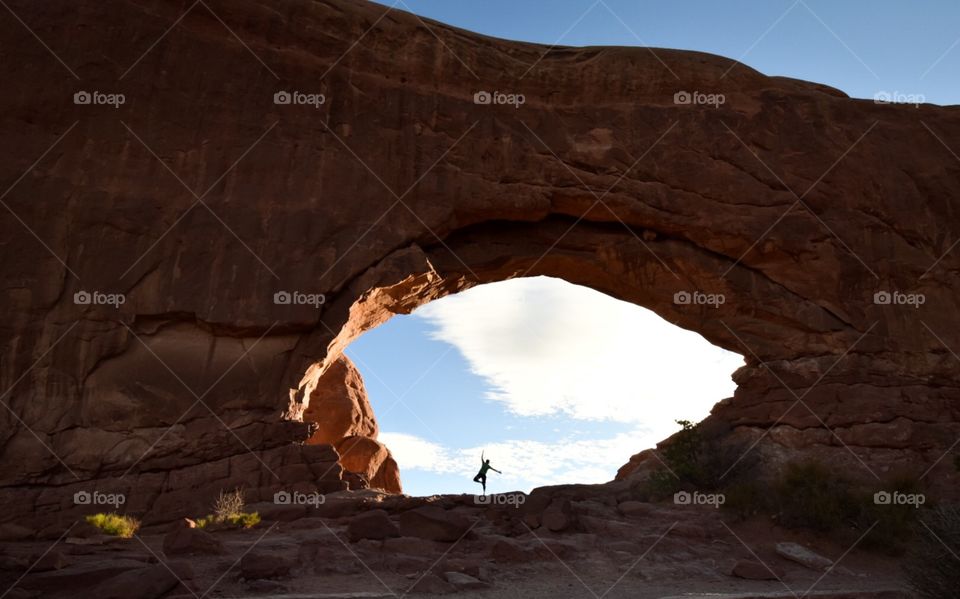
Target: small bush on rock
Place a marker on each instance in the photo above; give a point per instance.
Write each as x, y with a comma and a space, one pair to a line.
228, 512
229, 504
698, 457
115, 524
242, 520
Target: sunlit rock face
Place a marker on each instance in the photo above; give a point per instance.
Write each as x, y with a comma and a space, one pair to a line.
399, 189
339, 407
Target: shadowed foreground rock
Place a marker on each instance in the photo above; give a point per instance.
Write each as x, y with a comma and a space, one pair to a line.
647, 557
400, 188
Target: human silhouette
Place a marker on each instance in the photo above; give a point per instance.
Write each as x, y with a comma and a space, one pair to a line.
481, 476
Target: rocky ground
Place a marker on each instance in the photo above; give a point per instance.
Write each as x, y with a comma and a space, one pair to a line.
566, 541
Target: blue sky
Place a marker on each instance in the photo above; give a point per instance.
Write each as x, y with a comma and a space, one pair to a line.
562, 384
861, 47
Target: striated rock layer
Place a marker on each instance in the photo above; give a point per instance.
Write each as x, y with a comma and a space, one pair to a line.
208, 206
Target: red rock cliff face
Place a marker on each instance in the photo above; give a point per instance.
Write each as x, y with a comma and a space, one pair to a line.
200, 199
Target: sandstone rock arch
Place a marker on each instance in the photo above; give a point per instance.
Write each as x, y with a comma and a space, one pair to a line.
795, 201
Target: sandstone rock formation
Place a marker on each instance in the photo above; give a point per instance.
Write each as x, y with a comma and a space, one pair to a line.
373, 524
433, 523
186, 539
339, 406
203, 201
371, 459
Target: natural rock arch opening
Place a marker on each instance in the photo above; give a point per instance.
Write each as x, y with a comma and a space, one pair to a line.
610, 258
793, 413
541, 367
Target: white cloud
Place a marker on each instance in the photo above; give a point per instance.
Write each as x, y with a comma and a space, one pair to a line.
525, 464
417, 453
548, 347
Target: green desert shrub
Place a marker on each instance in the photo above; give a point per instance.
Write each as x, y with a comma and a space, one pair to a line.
931, 567
805, 495
228, 512
229, 504
809, 495
115, 524
747, 498
241, 520
699, 457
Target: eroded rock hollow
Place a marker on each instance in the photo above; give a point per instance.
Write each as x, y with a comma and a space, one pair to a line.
204, 197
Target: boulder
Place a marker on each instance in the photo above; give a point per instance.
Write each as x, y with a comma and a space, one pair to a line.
81, 575
433, 523
185, 539
387, 477
84, 530
338, 404
340, 410
413, 546
10, 531
471, 566
558, 516
464, 581
355, 480
507, 551
143, 583
635, 509
372, 460
407, 564
51, 560
803, 556
257, 565
373, 524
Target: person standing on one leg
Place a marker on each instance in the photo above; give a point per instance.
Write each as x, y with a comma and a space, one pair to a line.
481, 476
